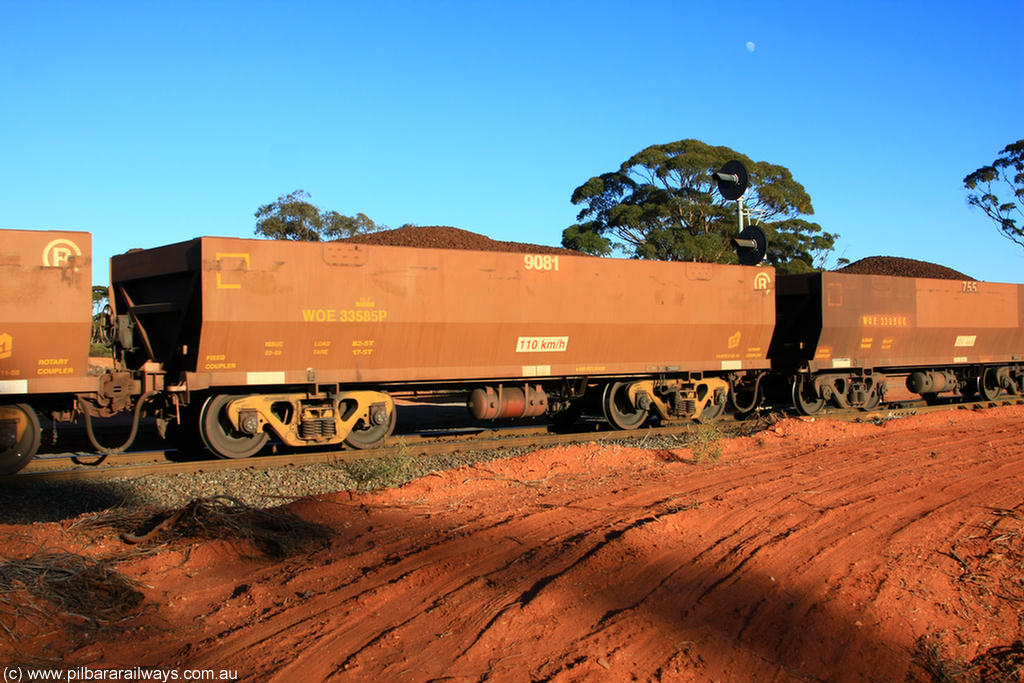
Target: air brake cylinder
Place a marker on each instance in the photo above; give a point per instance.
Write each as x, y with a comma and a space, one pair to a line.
931, 382
489, 403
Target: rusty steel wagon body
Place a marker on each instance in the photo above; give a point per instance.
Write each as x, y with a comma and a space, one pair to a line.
311, 341
45, 321
838, 335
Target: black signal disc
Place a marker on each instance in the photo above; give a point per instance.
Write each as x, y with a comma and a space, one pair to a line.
751, 256
733, 190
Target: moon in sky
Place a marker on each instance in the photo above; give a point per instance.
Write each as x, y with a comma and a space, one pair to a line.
750, 46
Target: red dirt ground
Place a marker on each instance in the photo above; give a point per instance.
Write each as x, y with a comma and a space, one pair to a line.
813, 551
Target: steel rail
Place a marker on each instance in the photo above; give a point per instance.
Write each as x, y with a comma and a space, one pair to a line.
144, 464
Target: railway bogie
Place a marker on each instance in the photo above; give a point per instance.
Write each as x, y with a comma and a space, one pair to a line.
864, 390
241, 425
688, 398
987, 382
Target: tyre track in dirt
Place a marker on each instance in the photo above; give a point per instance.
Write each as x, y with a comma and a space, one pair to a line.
554, 562
445, 558
813, 551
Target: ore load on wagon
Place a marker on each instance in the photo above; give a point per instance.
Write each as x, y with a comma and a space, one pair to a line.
898, 266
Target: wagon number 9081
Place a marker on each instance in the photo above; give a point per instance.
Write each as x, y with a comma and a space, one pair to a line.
540, 262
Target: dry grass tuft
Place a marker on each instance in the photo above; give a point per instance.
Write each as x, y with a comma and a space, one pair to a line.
991, 562
1000, 664
274, 533
117, 518
706, 443
758, 422
45, 586
990, 576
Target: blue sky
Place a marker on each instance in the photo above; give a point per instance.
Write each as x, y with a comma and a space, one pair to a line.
147, 123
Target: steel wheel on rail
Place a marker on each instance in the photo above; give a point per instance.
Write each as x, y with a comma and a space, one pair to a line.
365, 436
988, 384
618, 409
20, 436
874, 399
220, 437
805, 397
713, 409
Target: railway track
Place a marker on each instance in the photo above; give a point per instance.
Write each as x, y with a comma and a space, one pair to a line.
61, 468
146, 463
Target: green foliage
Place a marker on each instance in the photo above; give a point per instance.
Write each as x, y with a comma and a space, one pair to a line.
99, 350
293, 217
370, 474
100, 338
706, 443
998, 190
662, 204
99, 299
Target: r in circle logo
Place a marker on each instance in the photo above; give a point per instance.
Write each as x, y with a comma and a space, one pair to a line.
58, 252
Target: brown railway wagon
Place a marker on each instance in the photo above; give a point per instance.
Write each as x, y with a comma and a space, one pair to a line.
254, 316
830, 324
45, 322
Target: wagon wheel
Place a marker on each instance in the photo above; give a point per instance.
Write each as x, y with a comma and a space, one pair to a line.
712, 409
988, 384
20, 437
874, 399
618, 410
220, 437
805, 398
362, 436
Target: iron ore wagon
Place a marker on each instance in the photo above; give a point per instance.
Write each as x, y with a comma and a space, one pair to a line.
311, 342
838, 335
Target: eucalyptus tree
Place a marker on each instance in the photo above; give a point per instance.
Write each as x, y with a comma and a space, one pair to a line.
294, 217
661, 204
998, 190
